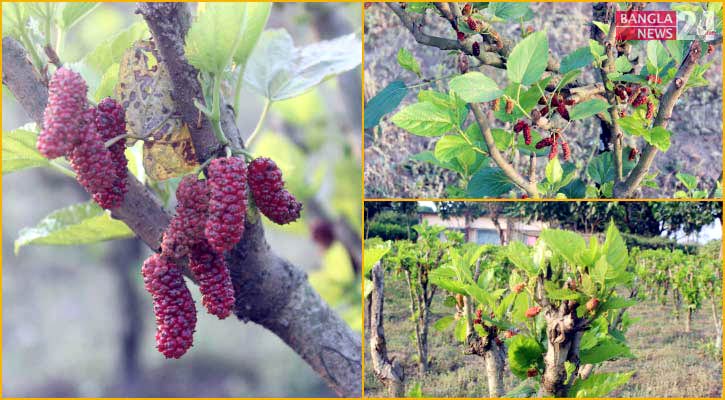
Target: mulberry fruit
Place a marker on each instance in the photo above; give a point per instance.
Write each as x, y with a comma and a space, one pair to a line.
496, 104
467, 9
544, 110
710, 49
461, 36
187, 227
527, 134
533, 311
639, 100
532, 372
621, 92
542, 101
561, 109
554, 151
93, 164
267, 187
509, 106
519, 126
509, 334
227, 180
555, 100
519, 287
173, 306
215, 284
323, 233
471, 23
654, 79
524, 196
650, 109
476, 49
632, 154
111, 122
61, 121
566, 151
544, 142
592, 304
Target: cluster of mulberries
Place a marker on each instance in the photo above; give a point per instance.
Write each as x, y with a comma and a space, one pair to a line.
522, 126
635, 95
73, 129
554, 141
560, 104
173, 306
270, 196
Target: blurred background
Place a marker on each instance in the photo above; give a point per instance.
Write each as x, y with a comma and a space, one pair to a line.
77, 321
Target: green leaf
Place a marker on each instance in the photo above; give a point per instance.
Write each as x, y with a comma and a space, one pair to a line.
587, 109
578, 58
657, 57
454, 147
567, 78
622, 64
633, 126
601, 168
659, 137
604, 27
614, 248
524, 353
384, 102
566, 243
605, 350
528, 59
255, 19
519, 255
489, 182
82, 223
599, 385
690, 181
424, 119
554, 172
111, 50
475, 87
407, 61
556, 293
443, 323
616, 302
526, 388
108, 83
509, 11
19, 150
214, 36
278, 70
372, 256
74, 12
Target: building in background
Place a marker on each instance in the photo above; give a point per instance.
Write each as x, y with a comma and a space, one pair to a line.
489, 230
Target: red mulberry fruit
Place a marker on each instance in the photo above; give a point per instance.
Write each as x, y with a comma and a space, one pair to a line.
111, 122
556, 100
544, 142
187, 227
227, 180
544, 110
461, 36
62, 118
519, 287
639, 100
215, 284
471, 23
527, 134
509, 106
621, 92
519, 126
592, 304
93, 164
476, 48
533, 311
524, 196
632, 154
173, 305
554, 151
561, 109
532, 372
467, 9
710, 49
509, 334
323, 233
496, 104
542, 101
267, 187
566, 151
650, 109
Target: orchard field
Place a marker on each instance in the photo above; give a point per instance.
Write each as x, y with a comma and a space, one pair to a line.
647, 321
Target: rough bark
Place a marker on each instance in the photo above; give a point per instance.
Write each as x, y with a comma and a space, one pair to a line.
717, 323
269, 290
390, 372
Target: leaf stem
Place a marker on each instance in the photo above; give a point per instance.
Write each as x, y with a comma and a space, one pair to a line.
260, 123
238, 89
215, 115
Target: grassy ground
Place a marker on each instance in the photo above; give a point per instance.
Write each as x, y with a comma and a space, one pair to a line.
669, 363
389, 172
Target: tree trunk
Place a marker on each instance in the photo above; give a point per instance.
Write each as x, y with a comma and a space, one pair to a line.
688, 321
564, 331
415, 313
494, 359
390, 372
717, 323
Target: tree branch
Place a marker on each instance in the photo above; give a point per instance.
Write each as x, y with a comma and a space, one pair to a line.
498, 158
268, 290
